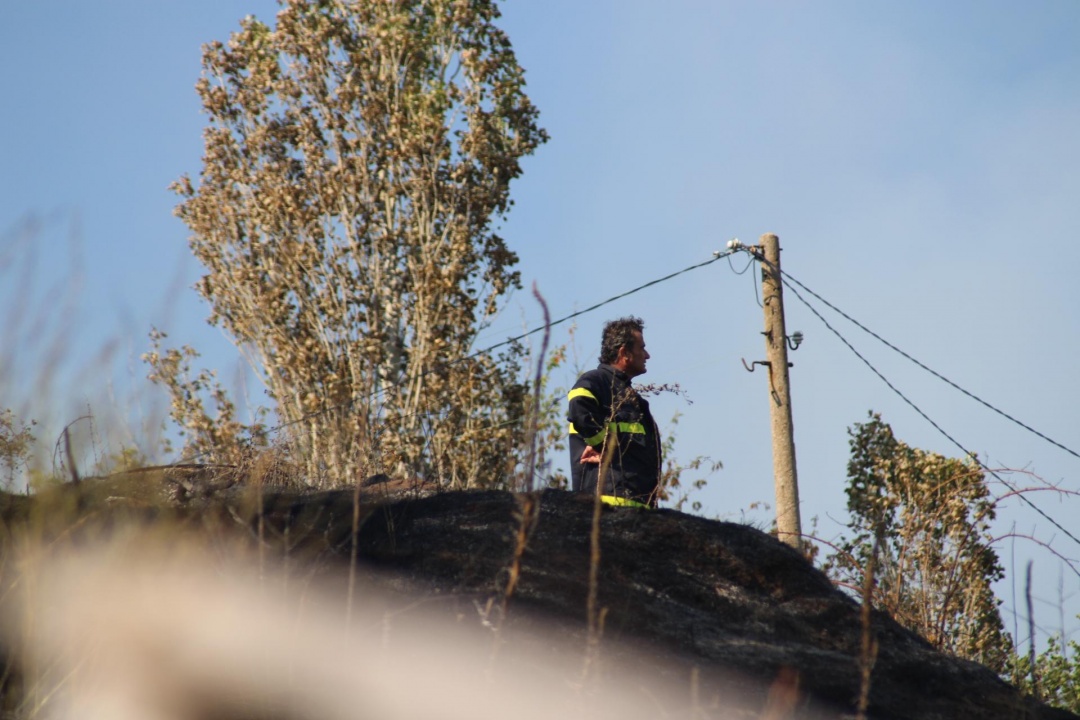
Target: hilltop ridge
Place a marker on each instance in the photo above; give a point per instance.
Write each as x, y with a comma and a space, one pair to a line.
719, 614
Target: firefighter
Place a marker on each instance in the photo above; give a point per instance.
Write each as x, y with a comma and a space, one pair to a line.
610, 423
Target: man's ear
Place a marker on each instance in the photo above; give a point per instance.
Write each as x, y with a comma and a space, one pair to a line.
621, 357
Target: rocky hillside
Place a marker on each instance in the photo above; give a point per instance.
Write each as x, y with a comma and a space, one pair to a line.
719, 616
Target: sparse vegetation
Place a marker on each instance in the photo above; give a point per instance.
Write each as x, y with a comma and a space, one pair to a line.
16, 445
936, 562
1055, 676
674, 487
922, 550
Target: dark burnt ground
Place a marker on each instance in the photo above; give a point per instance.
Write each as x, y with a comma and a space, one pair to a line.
678, 592
720, 609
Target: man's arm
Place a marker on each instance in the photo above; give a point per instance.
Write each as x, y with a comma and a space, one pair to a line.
587, 419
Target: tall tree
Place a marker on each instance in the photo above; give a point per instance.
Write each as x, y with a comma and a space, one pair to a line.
356, 157
935, 563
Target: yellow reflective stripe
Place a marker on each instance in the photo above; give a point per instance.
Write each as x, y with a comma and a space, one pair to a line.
597, 438
623, 502
580, 392
619, 427
594, 440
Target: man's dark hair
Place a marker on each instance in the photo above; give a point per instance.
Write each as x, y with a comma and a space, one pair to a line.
619, 333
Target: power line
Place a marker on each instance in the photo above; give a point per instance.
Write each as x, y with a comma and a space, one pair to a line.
718, 255
936, 374
734, 244
916, 408
749, 264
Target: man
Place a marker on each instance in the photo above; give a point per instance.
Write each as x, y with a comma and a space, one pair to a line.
608, 417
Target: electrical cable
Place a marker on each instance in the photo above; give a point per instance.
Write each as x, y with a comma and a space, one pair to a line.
342, 406
915, 407
936, 374
749, 264
716, 256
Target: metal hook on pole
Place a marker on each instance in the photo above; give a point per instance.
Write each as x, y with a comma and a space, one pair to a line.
750, 367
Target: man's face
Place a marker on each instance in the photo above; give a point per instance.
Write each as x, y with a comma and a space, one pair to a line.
633, 359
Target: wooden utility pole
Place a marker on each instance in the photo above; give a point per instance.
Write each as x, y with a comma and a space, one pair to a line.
788, 523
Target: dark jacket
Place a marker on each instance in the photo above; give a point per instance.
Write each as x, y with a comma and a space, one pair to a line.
636, 462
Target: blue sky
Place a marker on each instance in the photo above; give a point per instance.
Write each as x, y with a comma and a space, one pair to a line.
920, 162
